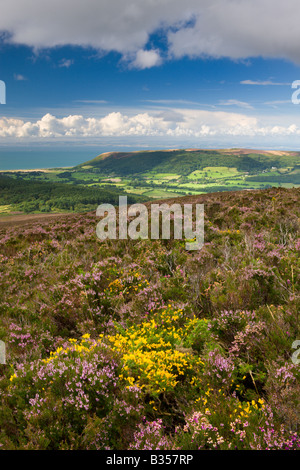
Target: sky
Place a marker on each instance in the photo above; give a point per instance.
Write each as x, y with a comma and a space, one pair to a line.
150, 74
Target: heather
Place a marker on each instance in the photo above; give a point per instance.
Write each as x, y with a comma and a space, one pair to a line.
141, 344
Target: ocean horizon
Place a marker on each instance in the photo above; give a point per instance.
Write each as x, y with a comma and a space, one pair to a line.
41, 158
24, 158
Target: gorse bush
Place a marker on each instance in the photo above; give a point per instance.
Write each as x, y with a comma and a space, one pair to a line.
125, 344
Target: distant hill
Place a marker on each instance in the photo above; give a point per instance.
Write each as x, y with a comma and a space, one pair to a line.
147, 175
185, 161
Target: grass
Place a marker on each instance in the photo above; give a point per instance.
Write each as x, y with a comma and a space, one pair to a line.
5, 209
162, 176
214, 172
157, 193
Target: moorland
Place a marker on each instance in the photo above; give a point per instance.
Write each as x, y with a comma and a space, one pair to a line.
141, 344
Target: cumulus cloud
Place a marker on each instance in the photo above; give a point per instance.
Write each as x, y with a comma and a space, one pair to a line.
106, 25
146, 59
194, 28
187, 123
240, 29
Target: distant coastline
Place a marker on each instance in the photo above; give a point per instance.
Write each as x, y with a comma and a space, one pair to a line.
24, 159
45, 170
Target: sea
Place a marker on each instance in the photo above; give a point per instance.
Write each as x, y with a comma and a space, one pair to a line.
42, 158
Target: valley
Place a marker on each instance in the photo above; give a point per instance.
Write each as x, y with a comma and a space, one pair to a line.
148, 175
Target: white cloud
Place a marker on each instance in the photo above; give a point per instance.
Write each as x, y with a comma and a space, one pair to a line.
240, 29
169, 102
106, 25
19, 78
239, 104
66, 63
262, 82
91, 101
146, 59
187, 123
215, 28
276, 103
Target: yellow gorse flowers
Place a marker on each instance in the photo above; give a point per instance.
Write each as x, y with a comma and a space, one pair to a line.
244, 409
133, 283
150, 355
151, 352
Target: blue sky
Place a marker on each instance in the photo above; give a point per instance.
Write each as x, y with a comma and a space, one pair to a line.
156, 74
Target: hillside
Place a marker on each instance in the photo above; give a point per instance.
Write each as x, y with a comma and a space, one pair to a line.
140, 344
145, 175
184, 162
170, 173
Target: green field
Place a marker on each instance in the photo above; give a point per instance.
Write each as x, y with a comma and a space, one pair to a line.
157, 193
5, 209
158, 175
213, 172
